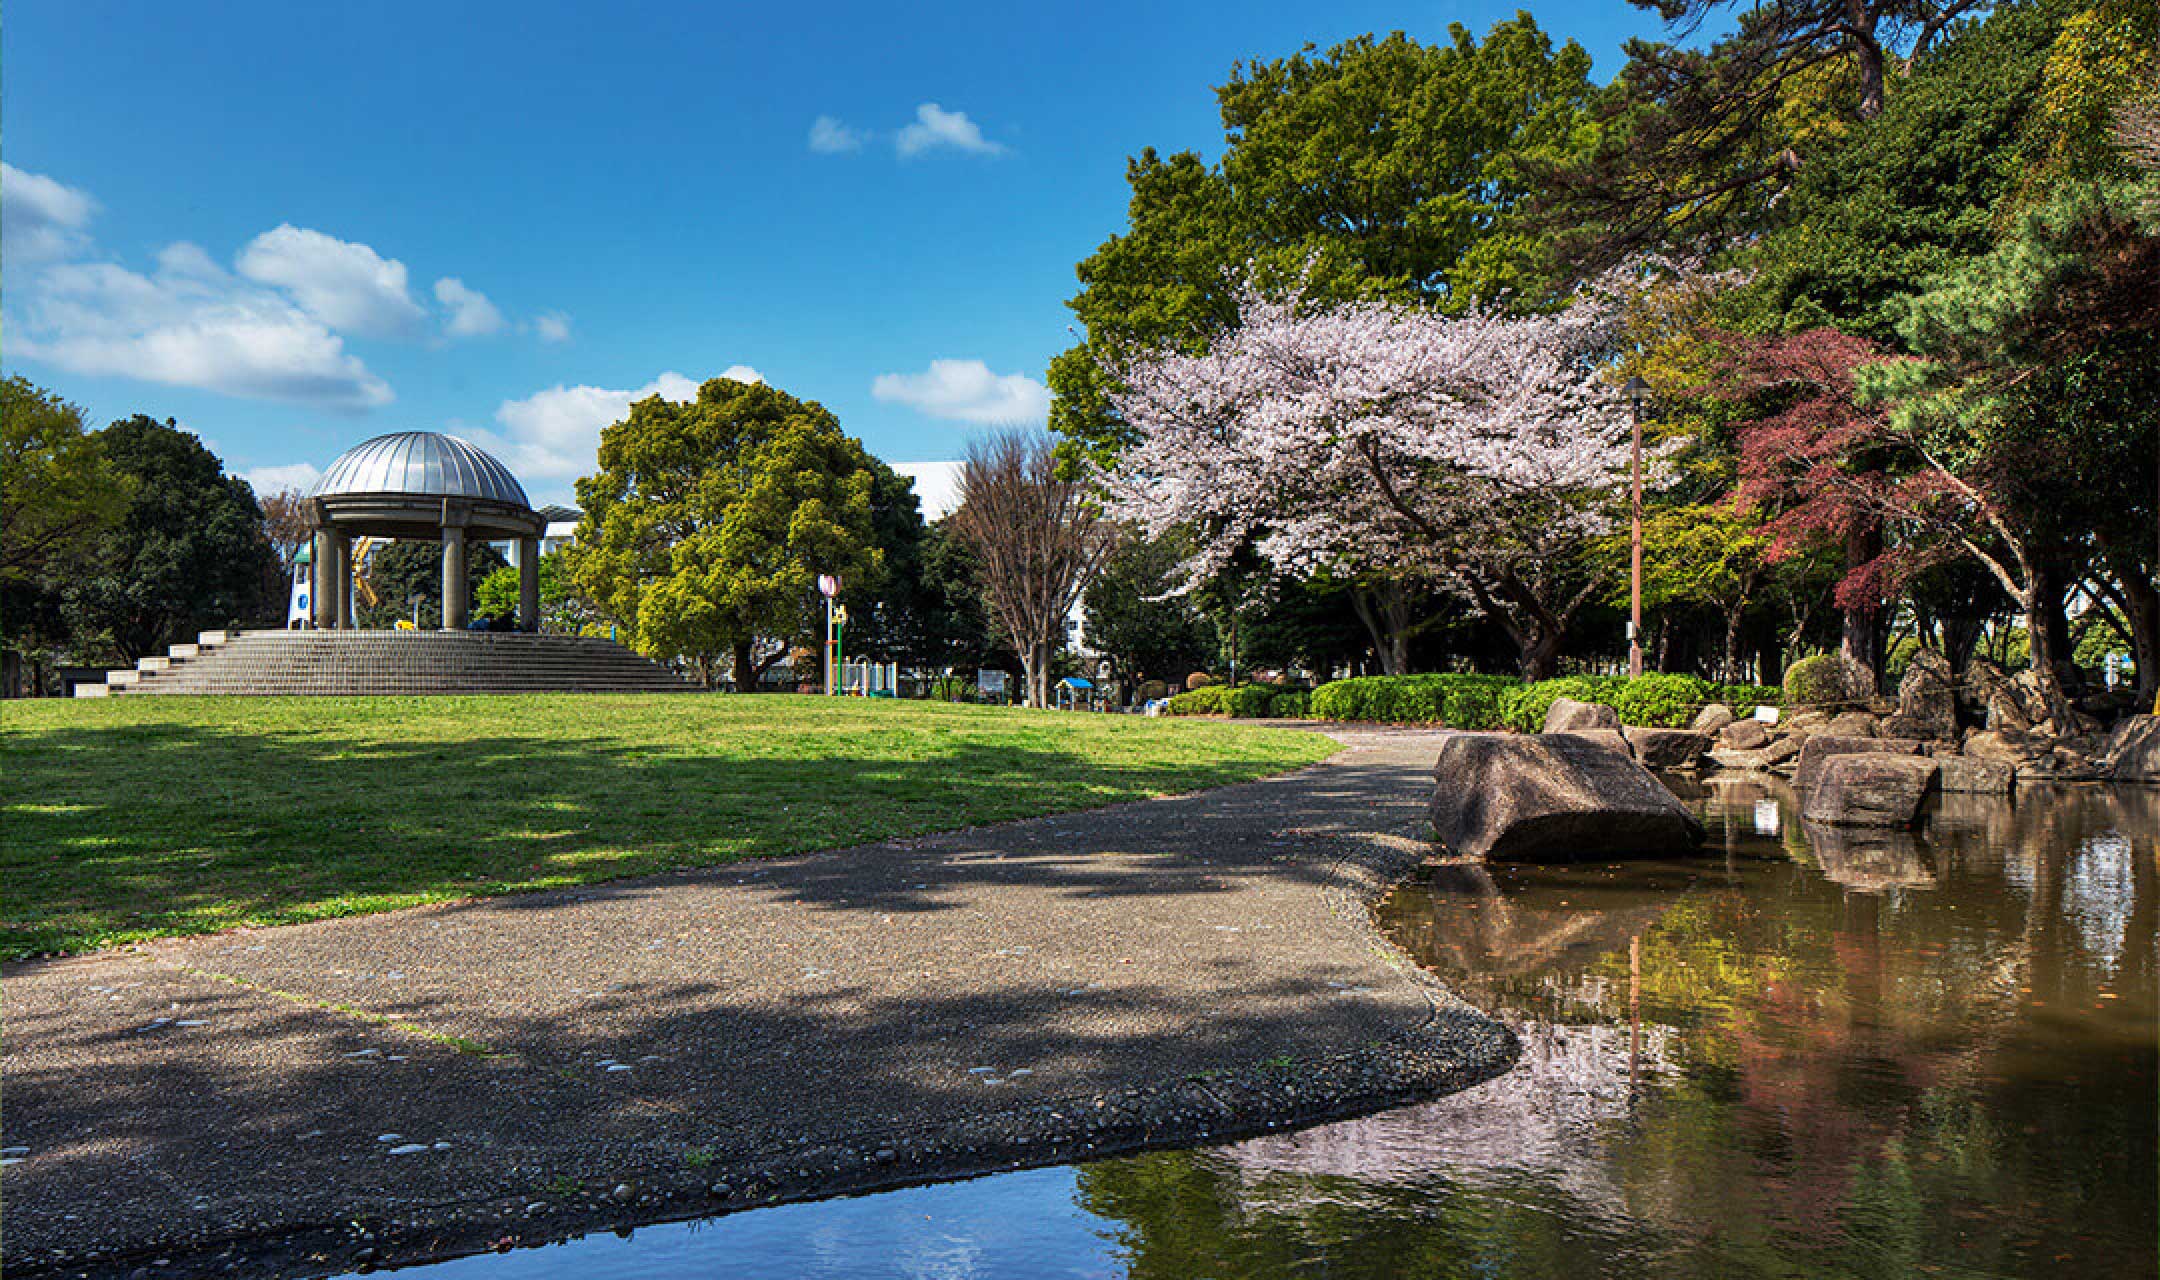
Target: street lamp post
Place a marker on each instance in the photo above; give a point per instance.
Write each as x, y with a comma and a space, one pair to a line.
1638, 394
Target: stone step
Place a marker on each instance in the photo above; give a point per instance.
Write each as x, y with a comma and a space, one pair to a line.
370, 663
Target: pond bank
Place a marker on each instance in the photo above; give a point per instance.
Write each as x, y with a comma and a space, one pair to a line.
379, 1089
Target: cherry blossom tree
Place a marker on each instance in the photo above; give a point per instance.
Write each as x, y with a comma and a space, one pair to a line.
1482, 449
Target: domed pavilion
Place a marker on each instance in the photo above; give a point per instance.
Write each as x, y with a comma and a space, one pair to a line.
420, 486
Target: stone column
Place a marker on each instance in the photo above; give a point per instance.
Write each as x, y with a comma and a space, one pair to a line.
341, 607
453, 579
526, 551
322, 579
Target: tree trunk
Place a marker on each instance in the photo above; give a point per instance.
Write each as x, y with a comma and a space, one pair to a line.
2049, 591
1035, 674
1540, 658
2143, 608
2046, 652
1385, 611
1869, 54
1733, 619
1860, 639
746, 674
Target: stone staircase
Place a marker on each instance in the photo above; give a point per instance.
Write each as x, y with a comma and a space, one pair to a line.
389, 662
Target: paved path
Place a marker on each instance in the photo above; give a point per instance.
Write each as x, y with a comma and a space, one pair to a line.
523, 1066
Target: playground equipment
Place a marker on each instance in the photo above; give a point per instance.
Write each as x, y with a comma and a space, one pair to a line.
297, 615
870, 679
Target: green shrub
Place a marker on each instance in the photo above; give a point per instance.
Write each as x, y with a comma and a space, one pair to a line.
1150, 690
1744, 698
1820, 679
1654, 701
1660, 701
1247, 701
1458, 701
1525, 706
1203, 701
1291, 704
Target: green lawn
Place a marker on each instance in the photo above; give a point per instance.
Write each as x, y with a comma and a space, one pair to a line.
143, 816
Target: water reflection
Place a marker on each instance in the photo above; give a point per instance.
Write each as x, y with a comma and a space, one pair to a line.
1860, 1055
1804, 1053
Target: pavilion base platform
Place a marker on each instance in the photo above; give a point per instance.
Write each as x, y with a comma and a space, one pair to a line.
348, 663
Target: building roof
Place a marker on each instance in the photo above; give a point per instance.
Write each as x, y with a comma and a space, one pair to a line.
423, 463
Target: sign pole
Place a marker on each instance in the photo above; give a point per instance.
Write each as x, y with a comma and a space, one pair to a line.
828, 585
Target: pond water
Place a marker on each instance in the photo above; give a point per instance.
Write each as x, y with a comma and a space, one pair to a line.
1800, 1054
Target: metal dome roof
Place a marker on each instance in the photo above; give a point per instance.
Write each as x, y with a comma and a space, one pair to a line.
427, 463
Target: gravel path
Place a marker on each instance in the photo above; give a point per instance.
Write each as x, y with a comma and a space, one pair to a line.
518, 1068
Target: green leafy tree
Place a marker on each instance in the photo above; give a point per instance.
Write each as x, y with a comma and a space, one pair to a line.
1918, 190
397, 572
59, 496
1380, 166
561, 608
2039, 379
954, 625
187, 553
709, 522
1129, 617
1712, 556
58, 491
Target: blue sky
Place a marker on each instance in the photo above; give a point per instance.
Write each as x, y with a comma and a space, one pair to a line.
294, 226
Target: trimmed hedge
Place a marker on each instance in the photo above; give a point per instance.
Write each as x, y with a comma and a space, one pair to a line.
1458, 701
1462, 701
1524, 706
1203, 701
1244, 701
1744, 698
1248, 701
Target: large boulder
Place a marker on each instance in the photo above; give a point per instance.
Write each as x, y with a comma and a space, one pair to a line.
1566, 715
2010, 746
1744, 761
1820, 749
1965, 775
1543, 797
2134, 750
1668, 748
1871, 789
1712, 718
1926, 700
1852, 724
1609, 739
1804, 723
1744, 735
2005, 704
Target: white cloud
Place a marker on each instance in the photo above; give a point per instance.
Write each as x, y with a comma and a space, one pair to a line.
555, 434
936, 127
966, 390
471, 314
189, 324
937, 484
552, 326
828, 136
41, 219
291, 475
345, 285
